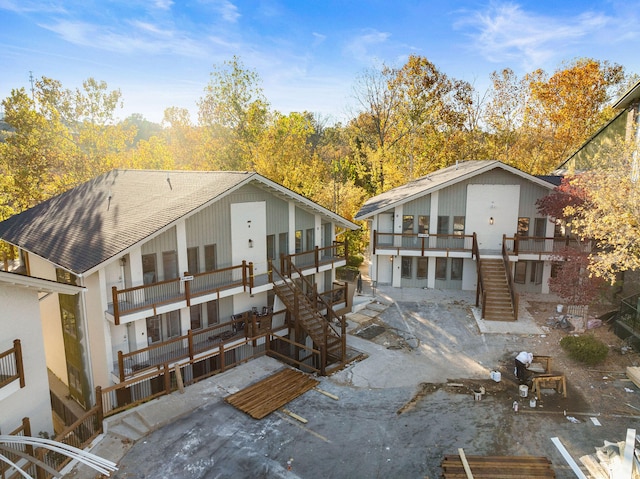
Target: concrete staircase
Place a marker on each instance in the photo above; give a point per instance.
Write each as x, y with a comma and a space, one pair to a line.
498, 305
320, 330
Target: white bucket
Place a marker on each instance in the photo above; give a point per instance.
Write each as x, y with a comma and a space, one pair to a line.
496, 376
532, 402
524, 390
559, 308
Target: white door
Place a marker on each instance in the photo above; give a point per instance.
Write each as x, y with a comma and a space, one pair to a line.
249, 235
492, 211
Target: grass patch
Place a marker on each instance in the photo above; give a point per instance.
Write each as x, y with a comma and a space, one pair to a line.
586, 349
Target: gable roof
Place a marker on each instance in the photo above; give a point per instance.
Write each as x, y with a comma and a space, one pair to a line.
82, 228
436, 181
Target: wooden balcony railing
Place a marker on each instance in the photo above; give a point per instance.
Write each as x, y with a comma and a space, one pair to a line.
507, 268
315, 258
421, 242
247, 325
11, 366
541, 245
150, 296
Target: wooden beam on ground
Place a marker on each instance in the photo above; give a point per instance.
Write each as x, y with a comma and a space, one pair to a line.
498, 467
465, 464
328, 394
294, 416
567, 457
179, 379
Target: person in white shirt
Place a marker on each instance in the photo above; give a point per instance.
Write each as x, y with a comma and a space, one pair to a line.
523, 361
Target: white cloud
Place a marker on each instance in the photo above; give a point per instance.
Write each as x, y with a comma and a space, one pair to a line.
225, 8
28, 6
506, 32
163, 4
360, 46
318, 38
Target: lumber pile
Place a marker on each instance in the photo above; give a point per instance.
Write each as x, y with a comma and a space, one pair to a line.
266, 396
633, 373
497, 467
614, 460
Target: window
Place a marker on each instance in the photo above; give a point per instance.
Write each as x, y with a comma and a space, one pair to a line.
170, 264
192, 260
154, 330
63, 276
407, 224
310, 239
523, 226
173, 324
407, 262
196, 316
149, 268
441, 268
536, 272
443, 225
423, 224
456, 268
521, 272
283, 243
458, 225
298, 241
423, 264
540, 227
210, 258
212, 312
271, 247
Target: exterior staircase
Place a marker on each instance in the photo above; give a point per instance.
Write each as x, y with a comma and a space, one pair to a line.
322, 332
498, 305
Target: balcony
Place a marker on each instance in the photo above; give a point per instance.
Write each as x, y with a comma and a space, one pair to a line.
410, 244
11, 366
142, 301
540, 248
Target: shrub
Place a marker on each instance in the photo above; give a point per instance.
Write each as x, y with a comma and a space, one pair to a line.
587, 349
355, 260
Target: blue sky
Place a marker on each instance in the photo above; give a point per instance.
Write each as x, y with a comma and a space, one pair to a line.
160, 53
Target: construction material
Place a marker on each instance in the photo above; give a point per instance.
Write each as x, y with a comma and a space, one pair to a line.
543, 381
266, 396
179, 381
633, 373
627, 460
328, 394
493, 467
524, 390
593, 466
567, 457
294, 416
465, 464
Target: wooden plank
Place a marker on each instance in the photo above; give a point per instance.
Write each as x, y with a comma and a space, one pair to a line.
626, 468
594, 467
270, 394
633, 373
467, 469
328, 394
567, 457
498, 467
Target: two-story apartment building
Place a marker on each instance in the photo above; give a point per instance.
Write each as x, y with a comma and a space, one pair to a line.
174, 264
448, 229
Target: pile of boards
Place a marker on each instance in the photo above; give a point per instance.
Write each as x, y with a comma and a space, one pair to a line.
614, 460
497, 467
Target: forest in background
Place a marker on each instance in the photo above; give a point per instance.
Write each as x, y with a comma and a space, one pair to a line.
407, 122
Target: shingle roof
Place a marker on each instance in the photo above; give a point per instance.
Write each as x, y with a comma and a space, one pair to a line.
101, 218
434, 181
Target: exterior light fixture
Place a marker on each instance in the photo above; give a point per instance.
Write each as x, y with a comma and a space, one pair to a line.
250, 243
491, 220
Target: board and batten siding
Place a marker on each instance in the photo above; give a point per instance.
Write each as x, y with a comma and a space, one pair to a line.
304, 220
417, 207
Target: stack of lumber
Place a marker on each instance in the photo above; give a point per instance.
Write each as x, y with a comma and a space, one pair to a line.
266, 396
498, 467
633, 373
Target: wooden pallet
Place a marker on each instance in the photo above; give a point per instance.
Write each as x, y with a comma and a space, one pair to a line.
498, 467
266, 396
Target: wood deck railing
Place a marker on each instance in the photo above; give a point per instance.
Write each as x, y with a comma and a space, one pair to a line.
512, 291
315, 258
424, 243
542, 245
11, 365
150, 296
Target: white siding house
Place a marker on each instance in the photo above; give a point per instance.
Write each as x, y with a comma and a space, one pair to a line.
164, 255
24, 384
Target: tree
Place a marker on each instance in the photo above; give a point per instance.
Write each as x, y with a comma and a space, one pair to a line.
234, 113
611, 214
572, 282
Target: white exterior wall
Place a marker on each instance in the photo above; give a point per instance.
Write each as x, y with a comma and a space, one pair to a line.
20, 319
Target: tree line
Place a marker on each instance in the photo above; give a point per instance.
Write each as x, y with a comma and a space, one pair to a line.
407, 122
